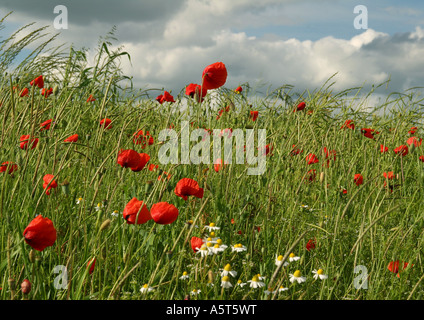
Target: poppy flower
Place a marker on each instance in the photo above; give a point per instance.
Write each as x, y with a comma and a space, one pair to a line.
47, 178
388, 175
46, 125
40, 233
106, 123
394, 267
165, 97
39, 82
91, 265
164, 213
214, 76
220, 112
413, 130
414, 141
73, 138
46, 92
369, 133
24, 92
348, 124
5, 166
25, 286
402, 150
383, 148
144, 158
358, 179
311, 159
310, 245
193, 90
24, 142
218, 165
136, 208
188, 187
132, 159
311, 175
139, 138
300, 106
254, 115
153, 167
196, 243
421, 158
90, 98
295, 151
166, 174
238, 90
267, 150
329, 154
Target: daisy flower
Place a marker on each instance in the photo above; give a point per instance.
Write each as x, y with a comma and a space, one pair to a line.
210, 238
240, 283
184, 276
260, 277
319, 274
217, 248
293, 257
255, 283
204, 250
281, 289
210, 284
195, 292
211, 227
269, 291
79, 200
238, 248
297, 276
115, 213
190, 222
99, 206
279, 260
225, 282
145, 288
228, 271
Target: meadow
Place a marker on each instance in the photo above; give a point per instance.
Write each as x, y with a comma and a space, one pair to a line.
88, 212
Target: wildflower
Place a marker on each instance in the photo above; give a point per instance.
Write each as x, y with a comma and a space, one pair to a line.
8, 166
185, 276
295, 151
311, 175
115, 213
46, 92
46, 125
196, 243
240, 283
394, 267
238, 248
413, 130
193, 90
211, 227
204, 250
99, 206
24, 92
106, 123
279, 260
414, 141
218, 247
296, 276
238, 90
136, 208
402, 150
145, 288
254, 115
300, 106
383, 148
256, 283
188, 187
132, 159
164, 213
311, 159
91, 265
90, 98
49, 183
293, 257
228, 271
26, 287
358, 179
39, 82
310, 245
421, 158
218, 165
214, 76
143, 139
269, 291
348, 124
225, 282
73, 138
165, 97
369, 133
195, 292
40, 233
282, 289
24, 142
319, 274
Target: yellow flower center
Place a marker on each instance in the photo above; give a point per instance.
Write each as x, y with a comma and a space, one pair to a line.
227, 267
99, 204
238, 245
203, 247
79, 199
209, 239
219, 241
194, 290
115, 211
209, 244
190, 221
280, 258
297, 274
212, 234
216, 246
226, 278
320, 271
212, 224
184, 273
255, 279
239, 281
145, 286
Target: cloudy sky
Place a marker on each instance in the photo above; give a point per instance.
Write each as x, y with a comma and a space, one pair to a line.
271, 42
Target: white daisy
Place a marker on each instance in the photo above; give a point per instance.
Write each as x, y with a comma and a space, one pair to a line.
225, 282
79, 200
195, 292
240, 283
185, 276
319, 274
115, 213
145, 289
293, 257
228, 271
99, 206
297, 276
238, 248
211, 227
281, 289
279, 260
255, 283
204, 250
269, 291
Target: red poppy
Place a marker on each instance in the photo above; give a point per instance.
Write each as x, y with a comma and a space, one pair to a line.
383, 148
193, 90
311, 175
214, 76
25, 286
220, 112
132, 159
39, 82
5, 166
311, 158
358, 179
239, 89
153, 167
402, 150
415, 141
188, 187
329, 154
421, 158
90, 98
73, 138
168, 176
24, 142
310, 245
300, 106
47, 178
46, 92
40, 233
218, 165
165, 97
106, 123
144, 158
46, 125
196, 243
266, 151
348, 124
413, 130
136, 208
254, 115
24, 92
139, 138
295, 151
164, 213
369, 133
388, 175
91, 265
394, 267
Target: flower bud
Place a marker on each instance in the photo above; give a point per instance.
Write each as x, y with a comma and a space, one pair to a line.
105, 224
32, 256
26, 286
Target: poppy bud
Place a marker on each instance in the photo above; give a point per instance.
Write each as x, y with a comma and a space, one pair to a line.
105, 224
26, 286
32, 256
55, 90
321, 177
